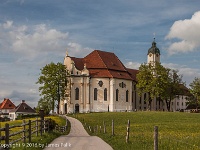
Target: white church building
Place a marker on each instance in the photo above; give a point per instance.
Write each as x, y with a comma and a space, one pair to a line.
100, 82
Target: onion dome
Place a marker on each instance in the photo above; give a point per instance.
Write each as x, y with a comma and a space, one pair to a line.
153, 49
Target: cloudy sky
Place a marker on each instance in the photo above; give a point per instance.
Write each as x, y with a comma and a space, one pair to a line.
34, 33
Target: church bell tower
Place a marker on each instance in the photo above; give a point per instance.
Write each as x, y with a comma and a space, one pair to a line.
153, 54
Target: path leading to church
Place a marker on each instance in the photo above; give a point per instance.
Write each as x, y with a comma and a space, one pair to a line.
78, 139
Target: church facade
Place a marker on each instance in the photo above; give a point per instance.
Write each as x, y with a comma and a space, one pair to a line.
100, 82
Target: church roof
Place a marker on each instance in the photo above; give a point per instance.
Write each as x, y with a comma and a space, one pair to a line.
154, 49
104, 64
133, 73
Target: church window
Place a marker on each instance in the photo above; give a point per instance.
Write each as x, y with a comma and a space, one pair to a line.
95, 93
122, 85
77, 94
100, 83
117, 94
105, 94
127, 96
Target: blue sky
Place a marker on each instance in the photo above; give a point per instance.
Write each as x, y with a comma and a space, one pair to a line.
34, 33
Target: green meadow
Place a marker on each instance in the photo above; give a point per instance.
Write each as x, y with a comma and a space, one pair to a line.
176, 130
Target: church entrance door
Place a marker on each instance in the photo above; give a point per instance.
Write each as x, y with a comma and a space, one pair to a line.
77, 108
65, 108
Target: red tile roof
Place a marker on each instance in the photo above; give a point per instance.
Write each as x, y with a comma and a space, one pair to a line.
78, 62
7, 104
104, 64
133, 73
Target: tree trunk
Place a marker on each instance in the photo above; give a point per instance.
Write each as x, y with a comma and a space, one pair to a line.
168, 104
58, 107
149, 104
53, 105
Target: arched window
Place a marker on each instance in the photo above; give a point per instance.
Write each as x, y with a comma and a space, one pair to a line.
95, 93
105, 94
117, 94
127, 96
77, 94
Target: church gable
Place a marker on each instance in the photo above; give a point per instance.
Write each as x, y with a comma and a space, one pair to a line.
78, 63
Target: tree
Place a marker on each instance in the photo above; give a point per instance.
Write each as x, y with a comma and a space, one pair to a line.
159, 82
195, 91
144, 84
172, 87
45, 104
53, 80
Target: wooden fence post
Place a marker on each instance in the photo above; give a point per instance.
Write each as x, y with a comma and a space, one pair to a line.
24, 130
156, 138
128, 130
29, 131
104, 127
48, 121
44, 125
7, 134
113, 127
41, 126
36, 126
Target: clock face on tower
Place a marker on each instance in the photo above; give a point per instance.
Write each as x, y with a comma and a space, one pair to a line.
157, 55
150, 55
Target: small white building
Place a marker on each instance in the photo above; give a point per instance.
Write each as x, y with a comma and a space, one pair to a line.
180, 103
21, 109
5, 107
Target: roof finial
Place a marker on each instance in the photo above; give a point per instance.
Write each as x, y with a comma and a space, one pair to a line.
154, 36
66, 52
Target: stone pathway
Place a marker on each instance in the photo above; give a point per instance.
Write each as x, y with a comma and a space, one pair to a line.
78, 139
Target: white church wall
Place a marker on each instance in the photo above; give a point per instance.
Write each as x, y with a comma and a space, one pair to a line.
123, 104
99, 105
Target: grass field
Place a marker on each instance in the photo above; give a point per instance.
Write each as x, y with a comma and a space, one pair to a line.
176, 130
38, 142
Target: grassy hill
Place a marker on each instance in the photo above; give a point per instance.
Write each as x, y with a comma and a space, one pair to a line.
176, 130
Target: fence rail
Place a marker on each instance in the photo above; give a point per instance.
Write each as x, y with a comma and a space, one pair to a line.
29, 128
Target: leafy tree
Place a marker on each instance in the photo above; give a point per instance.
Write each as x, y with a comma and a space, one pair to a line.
172, 87
195, 91
53, 80
159, 82
144, 84
45, 104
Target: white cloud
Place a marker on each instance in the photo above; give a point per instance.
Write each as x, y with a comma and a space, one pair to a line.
133, 65
42, 39
188, 73
76, 49
25, 49
8, 24
187, 32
